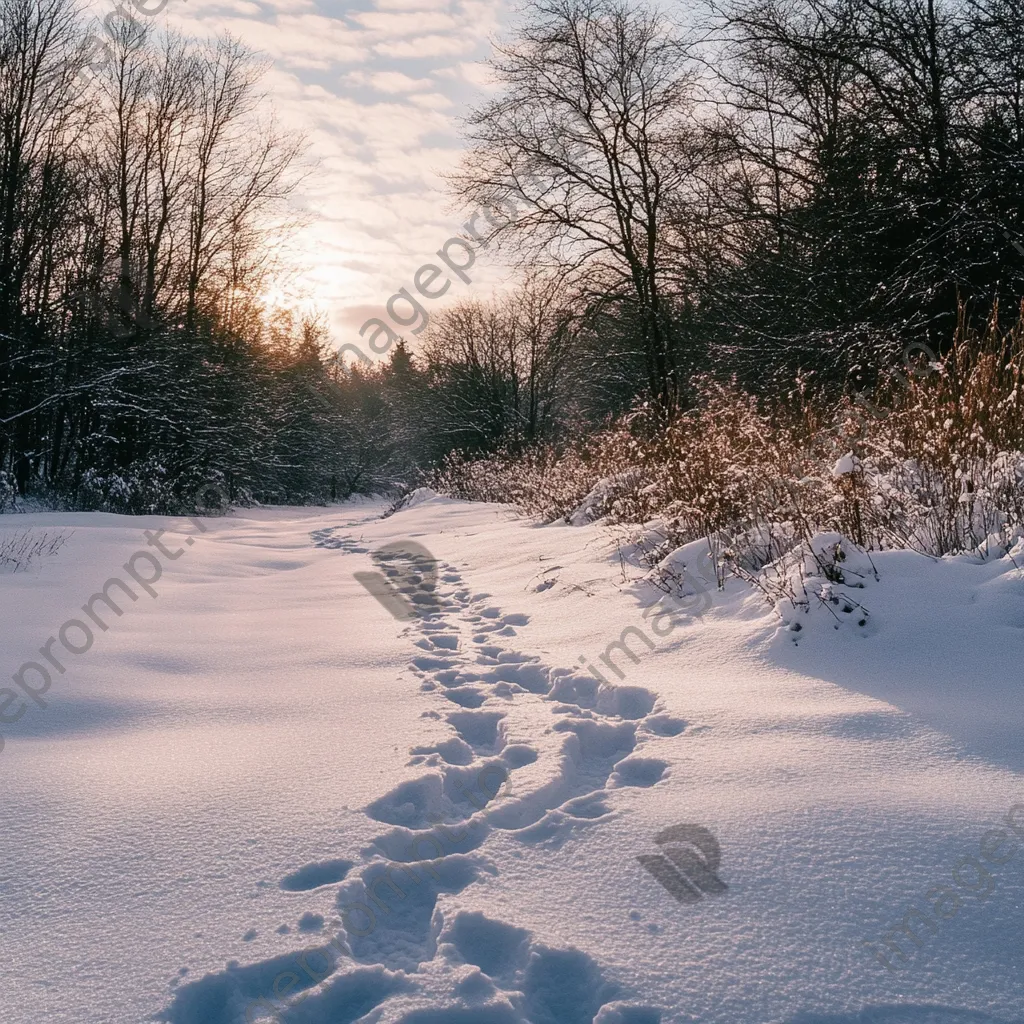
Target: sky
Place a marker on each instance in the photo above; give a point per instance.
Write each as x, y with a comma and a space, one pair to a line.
377, 87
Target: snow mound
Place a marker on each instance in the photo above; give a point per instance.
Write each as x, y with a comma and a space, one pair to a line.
848, 464
419, 496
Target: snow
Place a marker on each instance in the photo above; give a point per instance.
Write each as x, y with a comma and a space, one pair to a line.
235, 764
419, 496
849, 463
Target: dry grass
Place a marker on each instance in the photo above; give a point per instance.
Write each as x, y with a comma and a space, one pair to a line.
933, 462
19, 549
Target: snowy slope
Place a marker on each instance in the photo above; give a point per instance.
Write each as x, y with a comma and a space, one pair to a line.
236, 766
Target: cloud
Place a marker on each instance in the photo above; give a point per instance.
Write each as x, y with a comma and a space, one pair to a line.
433, 100
473, 73
427, 46
413, 5
377, 92
389, 81
406, 23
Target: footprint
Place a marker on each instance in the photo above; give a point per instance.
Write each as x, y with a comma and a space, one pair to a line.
448, 641
630, 702
499, 950
478, 728
574, 689
391, 919
638, 771
600, 740
426, 664
387, 912
664, 725
349, 998
532, 678
215, 998
312, 876
465, 696
472, 788
516, 755
409, 802
564, 986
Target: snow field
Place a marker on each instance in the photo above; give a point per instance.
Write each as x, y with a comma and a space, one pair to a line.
843, 773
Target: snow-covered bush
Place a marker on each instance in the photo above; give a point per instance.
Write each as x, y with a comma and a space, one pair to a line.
612, 496
941, 465
205, 491
148, 488
142, 489
7, 493
548, 482
935, 463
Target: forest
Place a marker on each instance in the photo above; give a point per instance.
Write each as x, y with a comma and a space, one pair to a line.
767, 264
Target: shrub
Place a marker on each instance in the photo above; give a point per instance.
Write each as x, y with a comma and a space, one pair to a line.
19, 550
7, 493
935, 462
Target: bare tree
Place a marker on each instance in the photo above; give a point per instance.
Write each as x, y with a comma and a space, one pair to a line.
243, 169
585, 135
41, 118
501, 366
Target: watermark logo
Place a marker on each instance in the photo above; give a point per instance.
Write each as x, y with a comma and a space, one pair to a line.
118, 306
408, 593
687, 868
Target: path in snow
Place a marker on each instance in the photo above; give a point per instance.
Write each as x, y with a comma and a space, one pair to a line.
440, 825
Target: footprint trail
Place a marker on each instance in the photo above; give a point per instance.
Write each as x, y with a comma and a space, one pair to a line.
507, 711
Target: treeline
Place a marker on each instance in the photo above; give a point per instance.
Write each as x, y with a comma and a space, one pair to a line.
785, 197
143, 186
787, 193
488, 375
